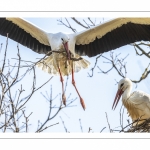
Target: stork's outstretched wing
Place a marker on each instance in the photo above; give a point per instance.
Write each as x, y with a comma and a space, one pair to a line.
111, 35
25, 33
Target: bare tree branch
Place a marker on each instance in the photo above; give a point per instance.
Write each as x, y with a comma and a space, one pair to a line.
73, 18
68, 26
108, 123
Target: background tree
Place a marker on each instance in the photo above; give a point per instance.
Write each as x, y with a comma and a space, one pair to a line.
13, 96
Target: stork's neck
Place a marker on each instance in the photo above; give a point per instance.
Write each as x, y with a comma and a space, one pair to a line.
126, 94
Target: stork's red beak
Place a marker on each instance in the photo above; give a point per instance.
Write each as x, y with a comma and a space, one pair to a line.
117, 98
67, 49
66, 45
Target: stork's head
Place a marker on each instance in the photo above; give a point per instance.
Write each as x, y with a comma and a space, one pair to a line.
65, 41
122, 86
58, 40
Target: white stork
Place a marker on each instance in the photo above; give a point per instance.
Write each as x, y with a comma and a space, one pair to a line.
101, 38
136, 103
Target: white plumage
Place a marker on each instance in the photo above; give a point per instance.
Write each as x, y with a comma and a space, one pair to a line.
136, 103
52, 62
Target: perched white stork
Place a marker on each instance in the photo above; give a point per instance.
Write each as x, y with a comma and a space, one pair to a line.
136, 103
101, 38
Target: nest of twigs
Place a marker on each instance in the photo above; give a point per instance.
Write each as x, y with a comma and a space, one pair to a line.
136, 127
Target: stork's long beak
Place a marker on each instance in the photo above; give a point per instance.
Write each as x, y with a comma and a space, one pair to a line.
67, 49
117, 98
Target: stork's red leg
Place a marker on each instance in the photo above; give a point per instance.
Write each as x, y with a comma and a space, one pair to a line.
63, 93
73, 82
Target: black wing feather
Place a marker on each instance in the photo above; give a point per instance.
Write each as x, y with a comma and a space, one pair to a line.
126, 34
19, 35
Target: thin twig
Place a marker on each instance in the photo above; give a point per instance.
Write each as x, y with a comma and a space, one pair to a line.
108, 123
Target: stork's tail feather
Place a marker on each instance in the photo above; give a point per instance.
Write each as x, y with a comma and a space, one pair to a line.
49, 65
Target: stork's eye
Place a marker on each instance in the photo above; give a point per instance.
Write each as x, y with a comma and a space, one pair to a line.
121, 84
